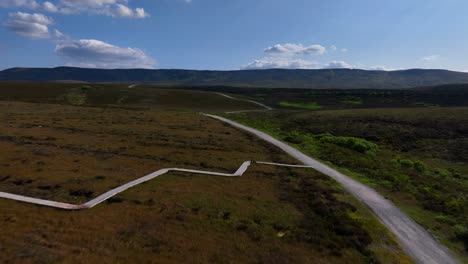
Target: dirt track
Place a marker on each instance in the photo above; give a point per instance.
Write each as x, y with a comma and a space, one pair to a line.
416, 241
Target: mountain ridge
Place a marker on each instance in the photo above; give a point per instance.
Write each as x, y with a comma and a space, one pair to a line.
268, 78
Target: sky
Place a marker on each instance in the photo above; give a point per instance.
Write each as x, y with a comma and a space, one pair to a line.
235, 34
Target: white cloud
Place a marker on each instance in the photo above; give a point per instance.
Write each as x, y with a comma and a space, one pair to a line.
98, 54
381, 68
34, 26
296, 49
431, 58
281, 63
87, 3
344, 50
292, 56
338, 65
31, 4
292, 63
124, 11
59, 35
50, 7
140, 13
114, 8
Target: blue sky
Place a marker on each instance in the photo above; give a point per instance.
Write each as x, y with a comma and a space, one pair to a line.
235, 34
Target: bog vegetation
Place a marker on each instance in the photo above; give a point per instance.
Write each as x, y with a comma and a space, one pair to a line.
86, 143
418, 157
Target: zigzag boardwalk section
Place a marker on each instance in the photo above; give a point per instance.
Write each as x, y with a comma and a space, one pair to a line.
415, 240
109, 194
103, 197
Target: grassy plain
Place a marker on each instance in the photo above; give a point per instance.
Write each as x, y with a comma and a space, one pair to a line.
330, 99
418, 157
120, 96
72, 153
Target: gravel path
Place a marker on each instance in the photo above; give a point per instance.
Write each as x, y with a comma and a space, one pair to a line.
265, 107
415, 240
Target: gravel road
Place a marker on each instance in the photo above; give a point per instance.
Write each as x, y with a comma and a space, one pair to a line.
415, 240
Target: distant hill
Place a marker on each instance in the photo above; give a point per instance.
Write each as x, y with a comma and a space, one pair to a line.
274, 78
452, 88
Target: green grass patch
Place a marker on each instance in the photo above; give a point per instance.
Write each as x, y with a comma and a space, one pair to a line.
418, 157
306, 105
75, 96
352, 100
357, 144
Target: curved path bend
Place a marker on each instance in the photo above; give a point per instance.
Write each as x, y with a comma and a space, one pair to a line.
415, 240
265, 107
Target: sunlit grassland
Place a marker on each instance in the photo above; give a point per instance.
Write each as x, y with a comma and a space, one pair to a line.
74, 153
418, 157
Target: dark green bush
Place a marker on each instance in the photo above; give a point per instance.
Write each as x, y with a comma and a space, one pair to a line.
419, 166
400, 182
461, 232
356, 144
405, 163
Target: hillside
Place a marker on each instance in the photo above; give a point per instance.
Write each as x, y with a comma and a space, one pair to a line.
274, 78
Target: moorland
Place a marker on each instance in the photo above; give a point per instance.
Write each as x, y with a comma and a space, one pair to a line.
417, 157
71, 142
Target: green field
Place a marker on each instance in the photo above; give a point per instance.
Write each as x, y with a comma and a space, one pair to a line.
304, 105
331, 99
418, 157
73, 142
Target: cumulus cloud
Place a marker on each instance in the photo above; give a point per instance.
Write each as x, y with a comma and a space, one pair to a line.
293, 56
296, 49
50, 7
34, 26
98, 54
281, 63
431, 58
338, 65
124, 11
140, 13
87, 3
291, 63
114, 8
381, 68
31, 4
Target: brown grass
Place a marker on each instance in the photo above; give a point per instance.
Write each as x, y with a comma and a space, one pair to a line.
72, 154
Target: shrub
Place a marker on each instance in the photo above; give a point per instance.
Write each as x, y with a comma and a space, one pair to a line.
356, 144
400, 182
461, 232
294, 137
443, 173
444, 219
419, 166
405, 163
454, 206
